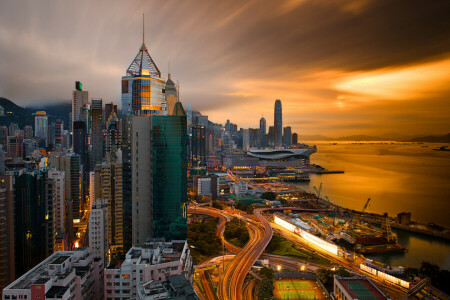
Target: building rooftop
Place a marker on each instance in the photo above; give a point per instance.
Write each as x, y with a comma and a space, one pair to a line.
361, 288
56, 292
60, 259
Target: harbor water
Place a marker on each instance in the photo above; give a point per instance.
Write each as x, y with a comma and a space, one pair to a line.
398, 177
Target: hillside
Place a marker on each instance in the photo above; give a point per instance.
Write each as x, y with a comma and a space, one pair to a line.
15, 114
433, 139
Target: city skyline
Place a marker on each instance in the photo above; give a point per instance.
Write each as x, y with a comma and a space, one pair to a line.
350, 74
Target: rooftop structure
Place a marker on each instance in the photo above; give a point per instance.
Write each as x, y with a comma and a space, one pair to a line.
346, 288
63, 275
145, 266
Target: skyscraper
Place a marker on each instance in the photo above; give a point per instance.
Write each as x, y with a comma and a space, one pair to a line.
143, 87
159, 180
294, 139
262, 126
278, 124
97, 134
59, 128
171, 95
79, 99
3, 136
287, 136
41, 125
28, 132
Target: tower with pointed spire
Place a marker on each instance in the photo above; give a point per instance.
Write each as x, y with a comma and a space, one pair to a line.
143, 89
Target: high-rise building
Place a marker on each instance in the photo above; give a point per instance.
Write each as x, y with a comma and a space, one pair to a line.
79, 99
126, 180
13, 129
98, 229
33, 220
58, 194
97, 134
246, 139
59, 130
15, 146
278, 124
41, 125
80, 140
294, 139
198, 146
113, 134
28, 132
262, 126
110, 108
3, 136
7, 268
111, 192
287, 136
143, 87
271, 136
171, 95
159, 164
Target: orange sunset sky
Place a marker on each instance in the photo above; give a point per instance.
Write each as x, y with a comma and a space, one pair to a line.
340, 67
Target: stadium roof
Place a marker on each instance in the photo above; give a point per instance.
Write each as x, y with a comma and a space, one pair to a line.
275, 154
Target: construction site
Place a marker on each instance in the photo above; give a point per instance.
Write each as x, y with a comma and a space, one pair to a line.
348, 230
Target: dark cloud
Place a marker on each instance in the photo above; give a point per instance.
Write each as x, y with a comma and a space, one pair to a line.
217, 48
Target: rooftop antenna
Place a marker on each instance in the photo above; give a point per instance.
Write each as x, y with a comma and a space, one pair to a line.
143, 29
169, 69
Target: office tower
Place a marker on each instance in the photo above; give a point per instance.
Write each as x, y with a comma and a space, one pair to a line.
79, 99
110, 108
13, 129
51, 134
41, 125
245, 139
294, 139
3, 136
7, 268
80, 140
207, 186
33, 220
113, 134
97, 134
59, 129
287, 136
262, 126
271, 136
143, 87
111, 192
58, 193
126, 180
171, 95
28, 132
98, 229
159, 191
15, 146
198, 146
278, 124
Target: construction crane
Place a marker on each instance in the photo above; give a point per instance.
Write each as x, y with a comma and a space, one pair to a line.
318, 191
386, 226
358, 218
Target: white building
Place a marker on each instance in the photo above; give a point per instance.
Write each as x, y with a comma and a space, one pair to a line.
41, 125
98, 229
79, 100
58, 178
63, 275
156, 261
241, 188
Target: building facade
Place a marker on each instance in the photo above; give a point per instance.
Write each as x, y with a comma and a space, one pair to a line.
278, 124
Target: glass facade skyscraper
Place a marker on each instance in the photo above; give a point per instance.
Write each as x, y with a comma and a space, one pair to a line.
278, 124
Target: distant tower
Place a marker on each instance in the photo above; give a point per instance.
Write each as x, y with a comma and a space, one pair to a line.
80, 98
171, 95
41, 125
262, 126
278, 124
97, 135
287, 136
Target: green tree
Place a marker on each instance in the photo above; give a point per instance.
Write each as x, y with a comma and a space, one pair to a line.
269, 196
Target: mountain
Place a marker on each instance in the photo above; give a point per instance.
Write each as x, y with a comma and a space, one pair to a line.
60, 110
15, 114
432, 139
315, 137
24, 115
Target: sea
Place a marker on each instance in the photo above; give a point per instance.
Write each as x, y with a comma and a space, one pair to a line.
398, 177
